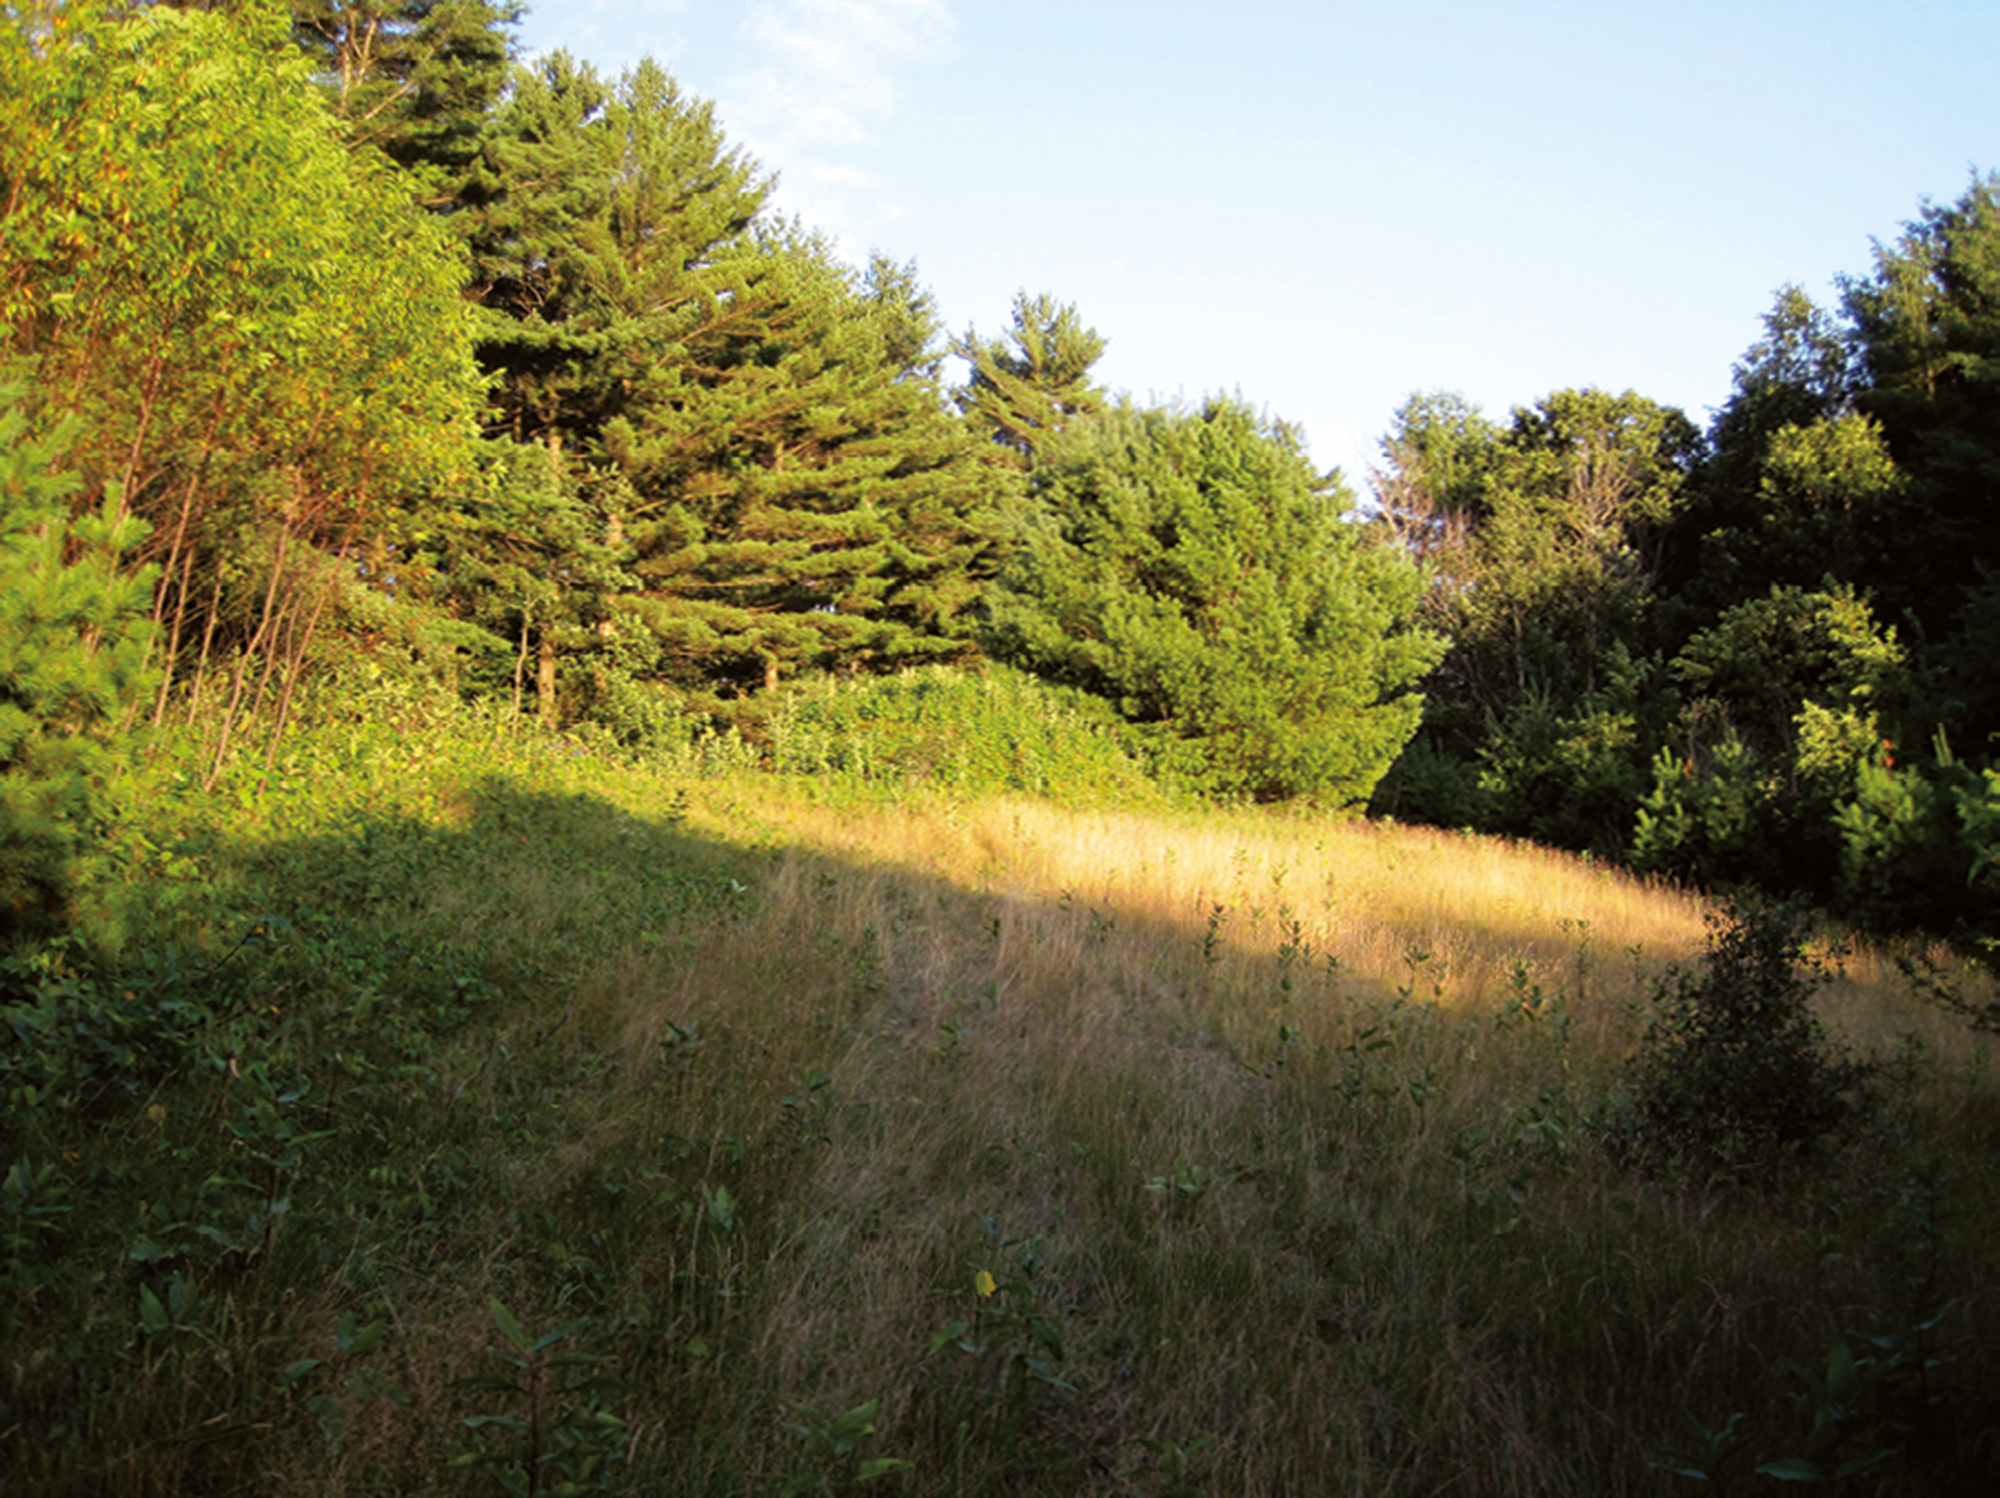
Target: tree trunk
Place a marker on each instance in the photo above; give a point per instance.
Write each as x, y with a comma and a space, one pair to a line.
545, 682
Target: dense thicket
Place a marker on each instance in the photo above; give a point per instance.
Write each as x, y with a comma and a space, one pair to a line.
251, 336
1762, 654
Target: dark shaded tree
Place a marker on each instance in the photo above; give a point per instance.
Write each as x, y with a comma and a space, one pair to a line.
1544, 543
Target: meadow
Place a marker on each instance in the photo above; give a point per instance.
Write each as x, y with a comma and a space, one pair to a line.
473, 1111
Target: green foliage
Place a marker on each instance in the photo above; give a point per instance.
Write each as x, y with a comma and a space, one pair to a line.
1817, 504
73, 645
1735, 1067
261, 337
971, 729
1787, 701
801, 497
1192, 569
833, 1451
415, 79
755, 431
1009, 1347
1027, 387
603, 209
1905, 861
556, 1438
1543, 544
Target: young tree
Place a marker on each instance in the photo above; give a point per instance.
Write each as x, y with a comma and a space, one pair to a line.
1192, 568
73, 636
1786, 700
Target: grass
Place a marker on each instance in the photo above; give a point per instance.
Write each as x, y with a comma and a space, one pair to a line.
1271, 1138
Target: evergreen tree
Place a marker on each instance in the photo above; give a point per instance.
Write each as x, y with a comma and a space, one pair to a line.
1027, 386
1193, 569
762, 428
1926, 328
73, 637
416, 79
607, 206
802, 497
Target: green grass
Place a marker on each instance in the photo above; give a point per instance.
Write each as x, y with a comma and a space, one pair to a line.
464, 1094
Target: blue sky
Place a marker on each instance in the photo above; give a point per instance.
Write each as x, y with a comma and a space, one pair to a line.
1326, 207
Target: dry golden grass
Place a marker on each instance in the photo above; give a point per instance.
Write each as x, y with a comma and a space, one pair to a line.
1366, 892
1291, 1115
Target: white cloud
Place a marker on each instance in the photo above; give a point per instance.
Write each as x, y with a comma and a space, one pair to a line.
827, 70
822, 78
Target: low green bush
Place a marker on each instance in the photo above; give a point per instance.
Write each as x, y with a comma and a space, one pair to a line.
1735, 1067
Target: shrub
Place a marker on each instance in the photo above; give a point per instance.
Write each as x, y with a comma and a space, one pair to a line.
1735, 1066
974, 729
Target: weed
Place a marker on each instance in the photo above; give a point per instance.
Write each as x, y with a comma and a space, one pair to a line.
833, 1459
557, 1439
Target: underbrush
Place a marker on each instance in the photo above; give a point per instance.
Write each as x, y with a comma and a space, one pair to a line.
967, 731
475, 1113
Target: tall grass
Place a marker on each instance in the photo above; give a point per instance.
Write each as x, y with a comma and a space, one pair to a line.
1104, 1151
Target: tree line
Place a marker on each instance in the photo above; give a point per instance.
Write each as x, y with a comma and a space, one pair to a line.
336, 331
1760, 653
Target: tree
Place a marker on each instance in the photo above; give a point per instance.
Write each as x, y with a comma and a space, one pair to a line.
1926, 334
1192, 568
1440, 459
261, 339
415, 79
1786, 700
606, 209
1544, 542
73, 636
801, 498
1027, 386
759, 426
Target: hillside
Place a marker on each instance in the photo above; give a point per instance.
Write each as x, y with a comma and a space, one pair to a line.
498, 1101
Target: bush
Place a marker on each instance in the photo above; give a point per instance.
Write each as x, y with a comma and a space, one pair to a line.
1735, 1067
973, 729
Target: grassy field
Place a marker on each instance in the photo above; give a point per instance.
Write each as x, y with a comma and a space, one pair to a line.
471, 1113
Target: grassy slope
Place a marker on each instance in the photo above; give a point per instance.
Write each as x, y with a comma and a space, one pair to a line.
1270, 1132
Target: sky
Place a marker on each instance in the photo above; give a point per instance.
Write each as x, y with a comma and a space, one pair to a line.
1325, 208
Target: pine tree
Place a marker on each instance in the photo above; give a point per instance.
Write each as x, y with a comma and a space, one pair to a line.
73, 637
1026, 387
804, 497
415, 79
1194, 570
606, 206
